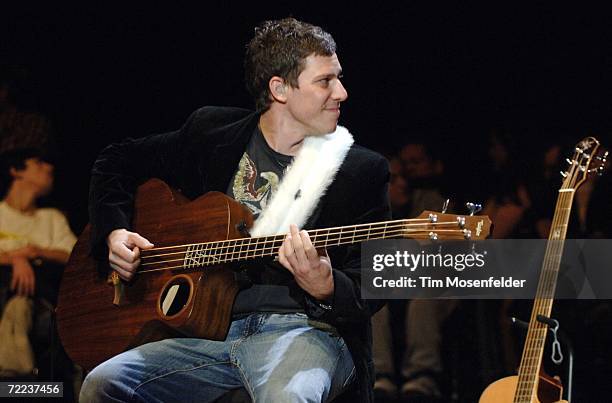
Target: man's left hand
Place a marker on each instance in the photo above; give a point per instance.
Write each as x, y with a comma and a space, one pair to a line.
312, 272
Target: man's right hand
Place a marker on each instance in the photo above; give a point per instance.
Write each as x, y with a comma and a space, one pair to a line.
124, 251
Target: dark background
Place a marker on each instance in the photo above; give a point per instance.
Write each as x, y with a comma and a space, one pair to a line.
447, 72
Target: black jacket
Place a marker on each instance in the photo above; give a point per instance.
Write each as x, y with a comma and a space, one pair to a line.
202, 156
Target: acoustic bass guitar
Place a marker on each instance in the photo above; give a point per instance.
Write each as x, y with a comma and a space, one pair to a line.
187, 283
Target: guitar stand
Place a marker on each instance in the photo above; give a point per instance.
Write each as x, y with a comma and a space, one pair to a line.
559, 336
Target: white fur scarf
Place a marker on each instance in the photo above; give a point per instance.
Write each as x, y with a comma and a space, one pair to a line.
306, 180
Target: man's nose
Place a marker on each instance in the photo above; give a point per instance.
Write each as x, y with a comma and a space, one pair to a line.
340, 93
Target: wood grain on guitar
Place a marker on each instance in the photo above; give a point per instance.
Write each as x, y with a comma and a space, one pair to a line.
184, 286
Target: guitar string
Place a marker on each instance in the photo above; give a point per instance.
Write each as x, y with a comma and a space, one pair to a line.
209, 263
552, 275
561, 225
251, 241
337, 241
406, 222
313, 234
527, 383
342, 228
567, 197
274, 245
544, 306
330, 239
529, 364
528, 371
216, 260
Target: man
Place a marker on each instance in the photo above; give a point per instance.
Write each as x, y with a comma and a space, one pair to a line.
300, 332
30, 238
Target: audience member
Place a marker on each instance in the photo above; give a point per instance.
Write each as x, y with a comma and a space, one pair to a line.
421, 365
35, 243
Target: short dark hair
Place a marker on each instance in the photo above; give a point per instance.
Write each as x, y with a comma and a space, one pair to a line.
279, 48
16, 159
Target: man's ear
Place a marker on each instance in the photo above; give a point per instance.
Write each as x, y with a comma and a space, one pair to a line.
278, 89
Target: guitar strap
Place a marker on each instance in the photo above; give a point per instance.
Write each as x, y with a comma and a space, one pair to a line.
304, 183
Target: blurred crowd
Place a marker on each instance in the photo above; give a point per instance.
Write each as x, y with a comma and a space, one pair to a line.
447, 350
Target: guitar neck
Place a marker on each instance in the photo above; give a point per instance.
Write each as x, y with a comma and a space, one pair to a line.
533, 350
427, 225
235, 250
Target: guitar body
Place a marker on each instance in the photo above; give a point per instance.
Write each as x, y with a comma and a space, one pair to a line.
503, 390
97, 319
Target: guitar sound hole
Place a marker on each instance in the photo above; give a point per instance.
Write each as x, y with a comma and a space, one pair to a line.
175, 296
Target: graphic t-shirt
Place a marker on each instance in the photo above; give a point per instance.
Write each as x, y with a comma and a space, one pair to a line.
272, 288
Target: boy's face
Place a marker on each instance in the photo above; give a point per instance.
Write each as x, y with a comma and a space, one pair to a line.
37, 173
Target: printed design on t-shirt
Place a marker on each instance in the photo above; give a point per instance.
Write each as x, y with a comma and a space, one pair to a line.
251, 189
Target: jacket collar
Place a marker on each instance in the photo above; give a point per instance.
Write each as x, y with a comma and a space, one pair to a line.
226, 156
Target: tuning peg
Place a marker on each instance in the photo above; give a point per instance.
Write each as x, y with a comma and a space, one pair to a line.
602, 167
445, 206
569, 161
433, 218
564, 174
467, 234
433, 236
473, 208
461, 222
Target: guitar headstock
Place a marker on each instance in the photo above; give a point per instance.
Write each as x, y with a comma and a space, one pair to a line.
588, 159
438, 226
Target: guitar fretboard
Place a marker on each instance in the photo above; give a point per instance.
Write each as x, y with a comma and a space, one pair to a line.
531, 360
235, 250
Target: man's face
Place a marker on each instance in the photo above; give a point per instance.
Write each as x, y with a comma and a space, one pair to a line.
38, 174
314, 106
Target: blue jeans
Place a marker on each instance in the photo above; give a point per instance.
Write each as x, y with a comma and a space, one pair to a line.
275, 357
